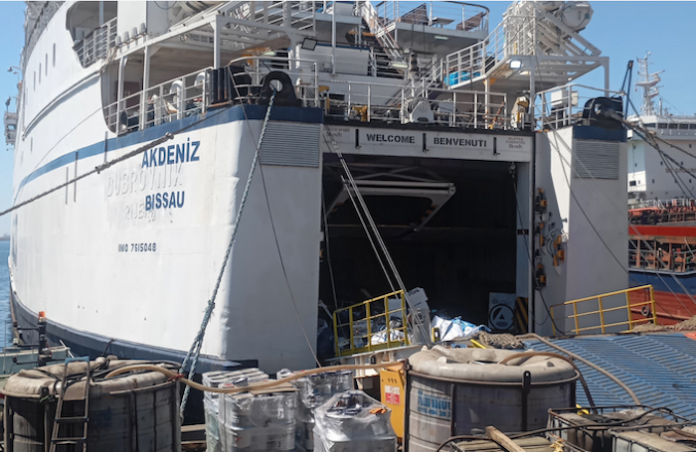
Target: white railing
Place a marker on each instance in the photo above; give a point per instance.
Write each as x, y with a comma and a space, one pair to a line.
377, 27
451, 108
165, 102
514, 36
300, 15
564, 105
447, 14
189, 95
96, 44
48, 10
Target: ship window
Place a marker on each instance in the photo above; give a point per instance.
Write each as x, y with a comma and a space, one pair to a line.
661, 163
46, 65
636, 165
54, 55
39, 73
653, 181
683, 126
674, 126
632, 183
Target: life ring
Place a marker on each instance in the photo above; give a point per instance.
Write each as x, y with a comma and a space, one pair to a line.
645, 310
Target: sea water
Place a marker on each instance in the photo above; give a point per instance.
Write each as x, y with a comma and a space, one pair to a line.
5, 317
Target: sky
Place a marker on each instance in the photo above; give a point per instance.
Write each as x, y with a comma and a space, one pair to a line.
622, 30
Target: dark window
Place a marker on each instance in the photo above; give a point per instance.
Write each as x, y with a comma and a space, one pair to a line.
632, 183
673, 126
661, 163
683, 126
653, 181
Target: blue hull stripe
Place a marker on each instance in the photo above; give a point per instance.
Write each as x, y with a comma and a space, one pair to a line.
215, 118
93, 345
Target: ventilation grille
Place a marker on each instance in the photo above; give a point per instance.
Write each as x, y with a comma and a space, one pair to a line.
596, 159
291, 144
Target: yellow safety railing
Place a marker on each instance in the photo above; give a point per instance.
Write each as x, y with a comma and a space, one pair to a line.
366, 328
601, 310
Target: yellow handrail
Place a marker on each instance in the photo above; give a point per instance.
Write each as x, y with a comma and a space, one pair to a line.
601, 310
361, 343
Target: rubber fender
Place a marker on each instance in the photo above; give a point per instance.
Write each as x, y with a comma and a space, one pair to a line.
285, 91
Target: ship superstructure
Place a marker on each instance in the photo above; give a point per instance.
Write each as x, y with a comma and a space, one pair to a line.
431, 111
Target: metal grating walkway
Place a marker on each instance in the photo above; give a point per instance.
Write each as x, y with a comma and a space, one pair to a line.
659, 368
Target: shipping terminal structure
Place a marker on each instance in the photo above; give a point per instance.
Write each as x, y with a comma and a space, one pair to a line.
350, 149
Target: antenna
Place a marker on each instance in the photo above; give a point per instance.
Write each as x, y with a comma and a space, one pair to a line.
649, 83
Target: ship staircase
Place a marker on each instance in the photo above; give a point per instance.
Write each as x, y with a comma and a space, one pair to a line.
531, 51
252, 27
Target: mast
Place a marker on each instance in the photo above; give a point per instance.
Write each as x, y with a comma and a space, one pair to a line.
649, 83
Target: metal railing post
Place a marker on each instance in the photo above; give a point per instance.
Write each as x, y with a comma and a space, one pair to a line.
369, 103
368, 319
335, 325
553, 324
386, 309
404, 318
601, 313
350, 322
652, 305
628, 310
575, 316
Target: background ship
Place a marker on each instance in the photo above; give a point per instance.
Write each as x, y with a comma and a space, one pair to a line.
661, 186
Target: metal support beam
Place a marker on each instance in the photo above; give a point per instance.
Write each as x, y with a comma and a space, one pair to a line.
119, 93
333, 38
216, 42
146, 86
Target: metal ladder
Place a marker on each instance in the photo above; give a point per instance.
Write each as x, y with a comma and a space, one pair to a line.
56, 439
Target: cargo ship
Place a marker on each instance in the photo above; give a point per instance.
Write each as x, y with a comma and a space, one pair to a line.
254, 167
662, 218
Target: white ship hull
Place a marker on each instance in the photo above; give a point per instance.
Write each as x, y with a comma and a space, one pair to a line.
125, 261
132, 255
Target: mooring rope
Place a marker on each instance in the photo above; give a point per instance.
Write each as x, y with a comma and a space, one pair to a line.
195, 349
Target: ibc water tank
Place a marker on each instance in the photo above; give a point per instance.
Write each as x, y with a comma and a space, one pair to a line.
127, 413
575, 15
461, 391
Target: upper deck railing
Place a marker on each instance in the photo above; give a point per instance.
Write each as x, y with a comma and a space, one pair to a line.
451, 15
47, 12
96, 44
192, 94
